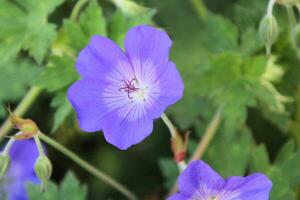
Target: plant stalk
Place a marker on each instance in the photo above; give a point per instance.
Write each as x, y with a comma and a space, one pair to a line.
88, 167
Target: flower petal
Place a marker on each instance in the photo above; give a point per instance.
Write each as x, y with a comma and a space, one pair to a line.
178, 197
199, 180
23, 155
256, 186
86, 96
165, 91
101, 56
147, 47
126, 127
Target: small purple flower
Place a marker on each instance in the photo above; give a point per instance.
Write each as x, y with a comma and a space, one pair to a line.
200, 182
122, 93
23, 155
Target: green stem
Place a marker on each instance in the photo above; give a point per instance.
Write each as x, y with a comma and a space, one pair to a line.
23, 106
169, 124
208, 136
88, 167
205, 140
78, 6
39, 145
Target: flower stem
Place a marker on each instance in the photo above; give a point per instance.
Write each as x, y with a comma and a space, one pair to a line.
88, 167
23, 106
39, 145
78, 6
205, 141
208, 136
270, 7
169, 124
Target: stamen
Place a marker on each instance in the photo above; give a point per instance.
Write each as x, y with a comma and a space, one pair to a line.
129, 87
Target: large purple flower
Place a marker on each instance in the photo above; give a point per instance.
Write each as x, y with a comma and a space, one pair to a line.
23, 155
200, 182
122, 93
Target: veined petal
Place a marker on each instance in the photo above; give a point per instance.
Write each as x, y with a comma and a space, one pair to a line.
148, 49
166, 89
23, 155
100, 57
253, 187
86, 96
178, 197
199, 181
127, 126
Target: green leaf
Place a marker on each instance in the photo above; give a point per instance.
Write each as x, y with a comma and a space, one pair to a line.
120, 24
260, 159
63, 109
91, 22
281, 189
232, 153
69, 189
15, 79
287, 149
34, 192
25, 27
169, 170
59, 73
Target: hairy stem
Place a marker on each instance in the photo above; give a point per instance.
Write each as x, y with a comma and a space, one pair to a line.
20, 110
88, 167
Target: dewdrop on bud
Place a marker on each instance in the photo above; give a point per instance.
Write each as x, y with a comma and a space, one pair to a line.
4, 164
268, 30
43, 170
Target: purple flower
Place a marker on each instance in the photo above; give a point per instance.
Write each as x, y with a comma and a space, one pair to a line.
23, 155
200, 182
122, 93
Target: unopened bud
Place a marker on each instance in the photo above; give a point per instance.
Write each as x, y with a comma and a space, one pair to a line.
43, 170
268, 30
129, 7
27, 127
4, 164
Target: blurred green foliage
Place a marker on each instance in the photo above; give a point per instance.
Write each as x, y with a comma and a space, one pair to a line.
217, 49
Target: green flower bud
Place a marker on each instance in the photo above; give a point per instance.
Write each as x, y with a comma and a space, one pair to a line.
43, 170
129, 7
268, 31
4, 164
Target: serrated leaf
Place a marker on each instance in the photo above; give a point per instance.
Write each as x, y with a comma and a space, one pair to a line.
15, 78
25, 26
69, 189
169, 170
91, 22
285, 151
120, 24
59, 73
63, 109
230, 155
260, 159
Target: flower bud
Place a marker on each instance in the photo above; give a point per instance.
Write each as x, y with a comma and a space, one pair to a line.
43, 170
268, 30
4, 163
27, 127
129, 7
